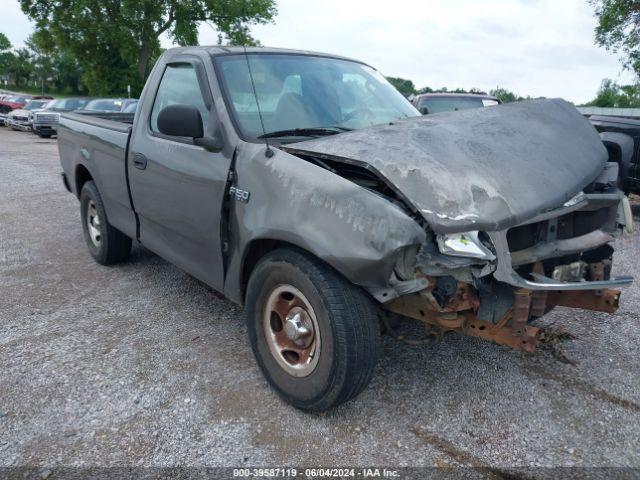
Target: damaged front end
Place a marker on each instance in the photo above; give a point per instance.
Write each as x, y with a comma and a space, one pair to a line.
493, 284
519, 205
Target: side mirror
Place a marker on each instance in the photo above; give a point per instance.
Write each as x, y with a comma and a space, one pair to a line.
424, 110
185, 121
180, 121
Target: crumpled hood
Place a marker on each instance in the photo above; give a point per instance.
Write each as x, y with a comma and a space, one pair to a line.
485, 169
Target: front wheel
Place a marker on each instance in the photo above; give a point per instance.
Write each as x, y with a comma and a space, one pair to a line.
106, 244
315, 336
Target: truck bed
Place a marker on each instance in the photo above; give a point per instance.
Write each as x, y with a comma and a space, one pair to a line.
102, 144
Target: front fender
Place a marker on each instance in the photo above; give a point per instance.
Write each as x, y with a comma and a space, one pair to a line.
356, 231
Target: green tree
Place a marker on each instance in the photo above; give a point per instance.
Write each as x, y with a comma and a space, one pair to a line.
404, 86
5, 44
618, 29
507, 96
116, 41
21, 67
6, 56
56, 67
450, 90
426, 90
613, 95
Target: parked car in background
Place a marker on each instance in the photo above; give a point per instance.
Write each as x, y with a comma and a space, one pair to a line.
621, 136
13, 102
115, 109
44, 122
333, 203
18, 119
114, 105
10, 103
428, 103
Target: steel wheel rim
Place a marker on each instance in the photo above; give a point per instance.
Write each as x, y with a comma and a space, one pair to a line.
93, 224
291, 331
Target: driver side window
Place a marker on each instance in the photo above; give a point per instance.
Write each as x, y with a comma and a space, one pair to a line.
179, 85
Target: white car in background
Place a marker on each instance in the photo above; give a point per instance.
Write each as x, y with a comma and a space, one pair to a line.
19, 119
44, 122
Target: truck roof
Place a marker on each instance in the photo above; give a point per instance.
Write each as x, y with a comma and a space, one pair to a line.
218, 50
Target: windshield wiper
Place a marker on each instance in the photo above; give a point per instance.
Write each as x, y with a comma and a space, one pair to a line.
306, 132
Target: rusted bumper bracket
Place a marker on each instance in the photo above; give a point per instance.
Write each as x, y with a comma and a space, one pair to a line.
599, 301
513, 329
521, 339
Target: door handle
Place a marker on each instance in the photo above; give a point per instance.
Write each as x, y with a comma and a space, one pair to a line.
139, 161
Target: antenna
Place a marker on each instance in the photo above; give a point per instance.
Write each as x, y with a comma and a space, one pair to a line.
268, 152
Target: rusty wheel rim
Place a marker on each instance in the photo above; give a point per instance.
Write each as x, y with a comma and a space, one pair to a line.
291, 330
93, 224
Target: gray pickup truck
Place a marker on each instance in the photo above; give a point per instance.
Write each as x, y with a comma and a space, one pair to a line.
306, 188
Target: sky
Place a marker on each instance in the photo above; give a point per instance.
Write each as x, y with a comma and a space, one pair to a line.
532, 47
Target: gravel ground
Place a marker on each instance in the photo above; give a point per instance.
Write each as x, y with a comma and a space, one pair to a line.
140, 364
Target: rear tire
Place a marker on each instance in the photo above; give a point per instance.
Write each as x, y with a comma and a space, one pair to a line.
343, 347
44, 135
106, 244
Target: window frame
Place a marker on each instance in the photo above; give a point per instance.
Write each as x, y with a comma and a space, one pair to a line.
205, 91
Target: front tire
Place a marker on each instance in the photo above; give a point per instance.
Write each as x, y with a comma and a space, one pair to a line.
315, 335
106, 244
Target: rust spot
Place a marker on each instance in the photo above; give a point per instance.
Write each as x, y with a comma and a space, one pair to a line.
538, 297
417, 307
513, 330
606, 301
521, 311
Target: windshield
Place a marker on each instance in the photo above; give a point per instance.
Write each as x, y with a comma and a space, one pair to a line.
104, 105
303, 91
450, 104
35, 104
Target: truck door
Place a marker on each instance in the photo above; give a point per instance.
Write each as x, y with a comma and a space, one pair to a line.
177, 187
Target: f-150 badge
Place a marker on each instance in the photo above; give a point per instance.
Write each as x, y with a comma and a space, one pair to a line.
240, 195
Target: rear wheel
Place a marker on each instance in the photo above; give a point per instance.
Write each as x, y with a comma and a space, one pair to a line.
315, 336
106, 244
